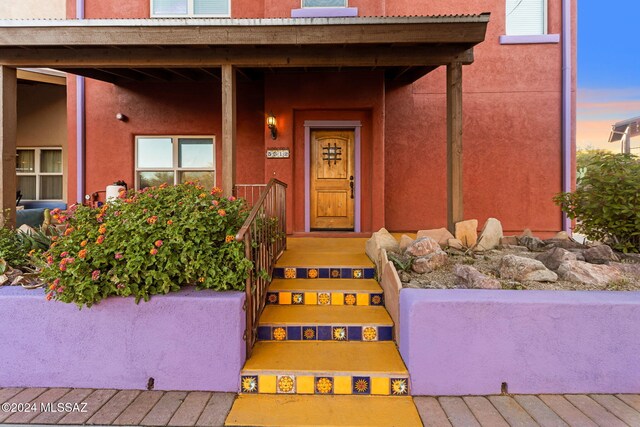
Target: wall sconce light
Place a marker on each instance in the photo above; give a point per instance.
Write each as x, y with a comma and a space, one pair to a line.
271, 124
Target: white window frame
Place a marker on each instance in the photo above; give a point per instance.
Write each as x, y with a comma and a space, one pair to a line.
175, 149
38, 174
190, 12
545, 20
302, 6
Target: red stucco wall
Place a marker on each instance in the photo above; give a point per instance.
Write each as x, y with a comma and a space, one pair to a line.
512, 123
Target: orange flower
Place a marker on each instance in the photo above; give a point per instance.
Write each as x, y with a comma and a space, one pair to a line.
82, 254
169, 222
229, 239
153, 251
49, 296
158, 243
83, 243
201, 279
52, 287
54, 238
202, 195
68, 231
102, 229
216, 190
100, 239
152, 219
222, 212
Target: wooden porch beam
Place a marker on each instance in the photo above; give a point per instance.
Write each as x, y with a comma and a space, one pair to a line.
8, 137
228, 129
314, 56
455, 211
93, 73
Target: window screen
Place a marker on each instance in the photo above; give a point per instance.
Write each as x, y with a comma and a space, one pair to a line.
526, 17
324, 3
210, 7
170, 7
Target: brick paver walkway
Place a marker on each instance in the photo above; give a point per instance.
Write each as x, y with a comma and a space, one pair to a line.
133, 407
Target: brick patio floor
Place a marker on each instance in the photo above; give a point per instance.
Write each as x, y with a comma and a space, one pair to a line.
132, 407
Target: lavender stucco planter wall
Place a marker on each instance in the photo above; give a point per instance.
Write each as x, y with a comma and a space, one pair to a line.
461, 342
190, 340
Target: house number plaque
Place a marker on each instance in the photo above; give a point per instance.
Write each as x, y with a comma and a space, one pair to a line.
277, 153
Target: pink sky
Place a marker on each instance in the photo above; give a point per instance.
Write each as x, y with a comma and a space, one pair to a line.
598, 109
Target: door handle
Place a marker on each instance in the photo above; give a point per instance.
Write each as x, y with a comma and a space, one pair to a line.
351, 185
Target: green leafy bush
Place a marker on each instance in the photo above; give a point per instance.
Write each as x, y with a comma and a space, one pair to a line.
11, 248
148, 242
606, 204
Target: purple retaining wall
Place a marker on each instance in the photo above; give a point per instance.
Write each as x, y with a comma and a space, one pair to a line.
190, 340
466, 342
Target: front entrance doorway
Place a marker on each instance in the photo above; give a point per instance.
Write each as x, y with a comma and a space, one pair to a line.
332, 180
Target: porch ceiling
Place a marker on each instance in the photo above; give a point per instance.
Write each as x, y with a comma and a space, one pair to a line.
129, 50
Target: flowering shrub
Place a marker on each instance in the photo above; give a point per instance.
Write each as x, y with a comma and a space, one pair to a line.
148, 242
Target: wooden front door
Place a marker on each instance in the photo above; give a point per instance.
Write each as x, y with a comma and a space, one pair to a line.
332, 180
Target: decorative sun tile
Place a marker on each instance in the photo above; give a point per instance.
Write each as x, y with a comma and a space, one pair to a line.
312, 273
297, 298
249, 384
349, 299
324, 385
289, 273
339, 333
309, 333
272, 297
279, 334
361, 385
335, 273
369, 333
376, 299
357, 273
286, 384
399, 386
324, 298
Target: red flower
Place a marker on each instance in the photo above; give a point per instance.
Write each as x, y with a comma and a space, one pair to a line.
232, 199
158, 243
95, 275
62, 266
100, 239
119, 256
215, 203
49, 260
49, 296
153, 251
64, 254
56, 282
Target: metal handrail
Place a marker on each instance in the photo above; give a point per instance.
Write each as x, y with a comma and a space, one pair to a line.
264, 237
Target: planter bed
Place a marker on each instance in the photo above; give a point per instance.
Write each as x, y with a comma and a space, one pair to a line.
189, 340
471, 342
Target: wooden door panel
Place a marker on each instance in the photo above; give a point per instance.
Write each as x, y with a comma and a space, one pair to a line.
332, 172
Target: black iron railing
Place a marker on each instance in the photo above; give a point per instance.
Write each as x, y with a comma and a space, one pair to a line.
264, 237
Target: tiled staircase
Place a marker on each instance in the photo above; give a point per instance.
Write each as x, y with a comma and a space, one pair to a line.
325, 353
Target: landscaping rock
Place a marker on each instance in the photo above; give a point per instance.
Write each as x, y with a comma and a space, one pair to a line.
522, 269
467, 232
556, 256
509, 240
631, 270
440, 235
634, 258
532, 243
601, 254
490, 235
514, 248
405, 241
428, 263
564, 244
526, 233
562, 235
379, 240
590, 274
455, 244
422, 247
472, 278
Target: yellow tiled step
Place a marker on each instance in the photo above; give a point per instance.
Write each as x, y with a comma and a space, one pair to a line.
283, 315
326, 357
297, 410
328, 285
321, 259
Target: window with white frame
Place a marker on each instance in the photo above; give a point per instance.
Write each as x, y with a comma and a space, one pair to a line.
174, 160
190, 8
324, 3
526, 17
39, 173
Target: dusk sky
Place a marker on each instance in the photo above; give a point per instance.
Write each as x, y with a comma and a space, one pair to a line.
608, 69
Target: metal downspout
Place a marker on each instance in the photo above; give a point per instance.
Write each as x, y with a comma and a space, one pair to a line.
80, 124
566, 105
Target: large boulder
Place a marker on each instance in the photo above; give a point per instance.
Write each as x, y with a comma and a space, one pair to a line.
490, 235
469, 277
440, 235
381, 239
590, 274
531, 243
430, 262
601, 254
556, 256
467, 232
525, 269
423, 246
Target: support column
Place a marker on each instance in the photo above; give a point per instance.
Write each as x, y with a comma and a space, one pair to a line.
454, 145
228, 129
8, 136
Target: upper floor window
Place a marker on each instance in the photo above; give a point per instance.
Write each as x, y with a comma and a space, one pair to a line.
39, 173
526, 17
324, 3
190, 8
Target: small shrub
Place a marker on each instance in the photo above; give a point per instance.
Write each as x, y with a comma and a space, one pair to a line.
11, 248
401, 262
148, 242
606, 204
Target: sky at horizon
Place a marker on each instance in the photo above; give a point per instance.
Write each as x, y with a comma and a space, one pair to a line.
608, 69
